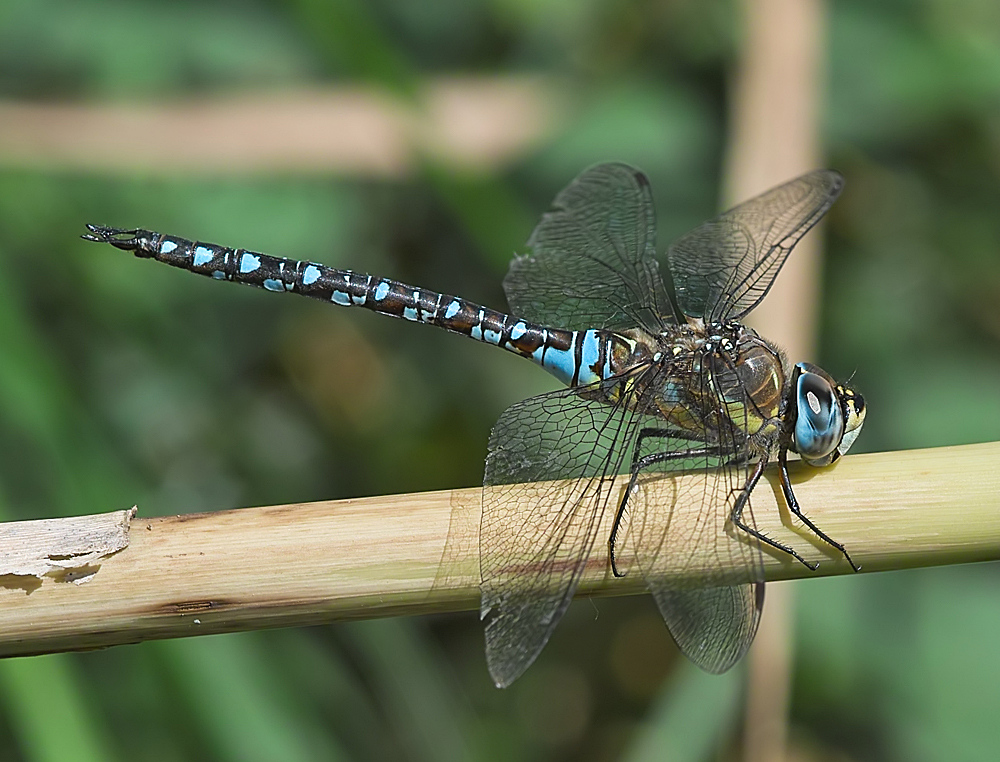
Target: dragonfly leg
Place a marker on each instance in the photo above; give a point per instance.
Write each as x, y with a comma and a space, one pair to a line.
793, 504
641, 462
737, 517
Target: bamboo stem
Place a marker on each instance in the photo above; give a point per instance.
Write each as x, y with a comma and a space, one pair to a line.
472, 123
287, 565
774, 135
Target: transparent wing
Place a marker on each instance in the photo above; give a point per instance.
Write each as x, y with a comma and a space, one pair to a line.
712, 626
723, 268
549, 477
712, 617
705, 575
592, 257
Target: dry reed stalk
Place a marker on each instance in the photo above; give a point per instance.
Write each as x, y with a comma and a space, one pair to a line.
278, 566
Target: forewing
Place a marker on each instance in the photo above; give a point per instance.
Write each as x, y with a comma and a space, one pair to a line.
723, 268
549, 477
592, 261
705, 575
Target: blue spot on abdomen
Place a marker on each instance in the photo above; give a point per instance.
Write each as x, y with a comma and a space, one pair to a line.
249, 263
202, 256
412, 313
310, 275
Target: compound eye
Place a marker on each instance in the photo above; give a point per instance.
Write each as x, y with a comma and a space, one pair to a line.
819, 424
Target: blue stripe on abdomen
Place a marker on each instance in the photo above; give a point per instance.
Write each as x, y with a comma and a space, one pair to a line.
573, 364
561, 363
591, 355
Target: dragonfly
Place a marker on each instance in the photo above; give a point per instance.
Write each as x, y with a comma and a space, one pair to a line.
660, 377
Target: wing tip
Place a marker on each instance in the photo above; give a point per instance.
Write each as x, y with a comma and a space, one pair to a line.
640, 178
836, 181
504, 662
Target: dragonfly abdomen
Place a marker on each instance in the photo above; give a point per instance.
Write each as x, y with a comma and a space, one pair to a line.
574, 357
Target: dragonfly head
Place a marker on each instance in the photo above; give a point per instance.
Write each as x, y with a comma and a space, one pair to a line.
828, 415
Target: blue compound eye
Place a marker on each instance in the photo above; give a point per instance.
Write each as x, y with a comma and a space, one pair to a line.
819, 423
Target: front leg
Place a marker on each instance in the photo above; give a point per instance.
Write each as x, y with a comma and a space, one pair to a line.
793, 505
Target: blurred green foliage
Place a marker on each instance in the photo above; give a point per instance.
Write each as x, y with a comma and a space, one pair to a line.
123, 382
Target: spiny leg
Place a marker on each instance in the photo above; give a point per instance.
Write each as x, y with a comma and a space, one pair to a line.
793, 504
641, 462
737, 517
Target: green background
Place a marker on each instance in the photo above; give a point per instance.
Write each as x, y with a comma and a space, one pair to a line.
122, 382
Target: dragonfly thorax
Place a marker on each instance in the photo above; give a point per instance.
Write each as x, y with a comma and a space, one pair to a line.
748, 376
721, 377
